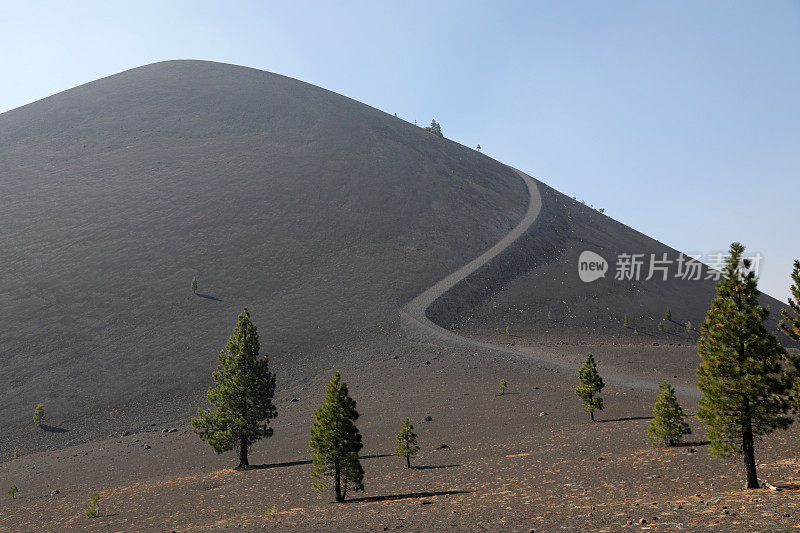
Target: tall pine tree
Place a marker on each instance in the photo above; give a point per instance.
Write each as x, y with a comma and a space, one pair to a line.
667, 426
740, 372
590, 386
242, 395
791, 326
336, 441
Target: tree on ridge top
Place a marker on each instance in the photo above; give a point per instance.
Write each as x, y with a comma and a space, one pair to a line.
435, 128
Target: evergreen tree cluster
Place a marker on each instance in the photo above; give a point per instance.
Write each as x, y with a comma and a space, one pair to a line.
435, 128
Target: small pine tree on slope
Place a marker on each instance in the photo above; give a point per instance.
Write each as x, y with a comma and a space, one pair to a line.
38, 415
668, 425
740, 372
406, 442
336, 441
242, 395
590, 386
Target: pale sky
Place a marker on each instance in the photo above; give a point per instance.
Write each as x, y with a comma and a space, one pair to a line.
679, 118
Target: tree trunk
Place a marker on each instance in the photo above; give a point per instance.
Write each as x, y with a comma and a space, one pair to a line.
408, 461
592, 413
337, 483
244, 464
748, 452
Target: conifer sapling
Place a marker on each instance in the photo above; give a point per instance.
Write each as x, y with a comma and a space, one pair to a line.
590, 386
406, 442
501, 388
668, 426
38, 415
94, 506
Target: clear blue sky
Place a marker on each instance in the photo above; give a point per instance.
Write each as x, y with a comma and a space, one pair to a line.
680, 118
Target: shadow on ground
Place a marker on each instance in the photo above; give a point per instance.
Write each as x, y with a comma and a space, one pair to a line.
626, 419
408, 495
53, 429
436, 467
308, 462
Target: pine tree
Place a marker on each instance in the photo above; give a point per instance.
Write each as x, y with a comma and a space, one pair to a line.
242, 395
336, 441
625, 321
667, 426
590, 386
739, 375
790, 325
501, 388
94, 507
479, 147
661, 326
668, 315
435, 128
193, 285
38, 415
406, 443
689, 327
13, 491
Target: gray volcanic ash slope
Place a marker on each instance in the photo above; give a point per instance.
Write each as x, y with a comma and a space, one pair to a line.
324, 216
321, 214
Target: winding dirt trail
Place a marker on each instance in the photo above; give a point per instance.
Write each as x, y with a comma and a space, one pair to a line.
414, 318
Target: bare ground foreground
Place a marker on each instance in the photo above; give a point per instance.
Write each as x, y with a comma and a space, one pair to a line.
507, 466
422, 270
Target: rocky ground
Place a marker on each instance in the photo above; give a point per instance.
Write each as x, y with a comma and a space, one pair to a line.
529, 460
